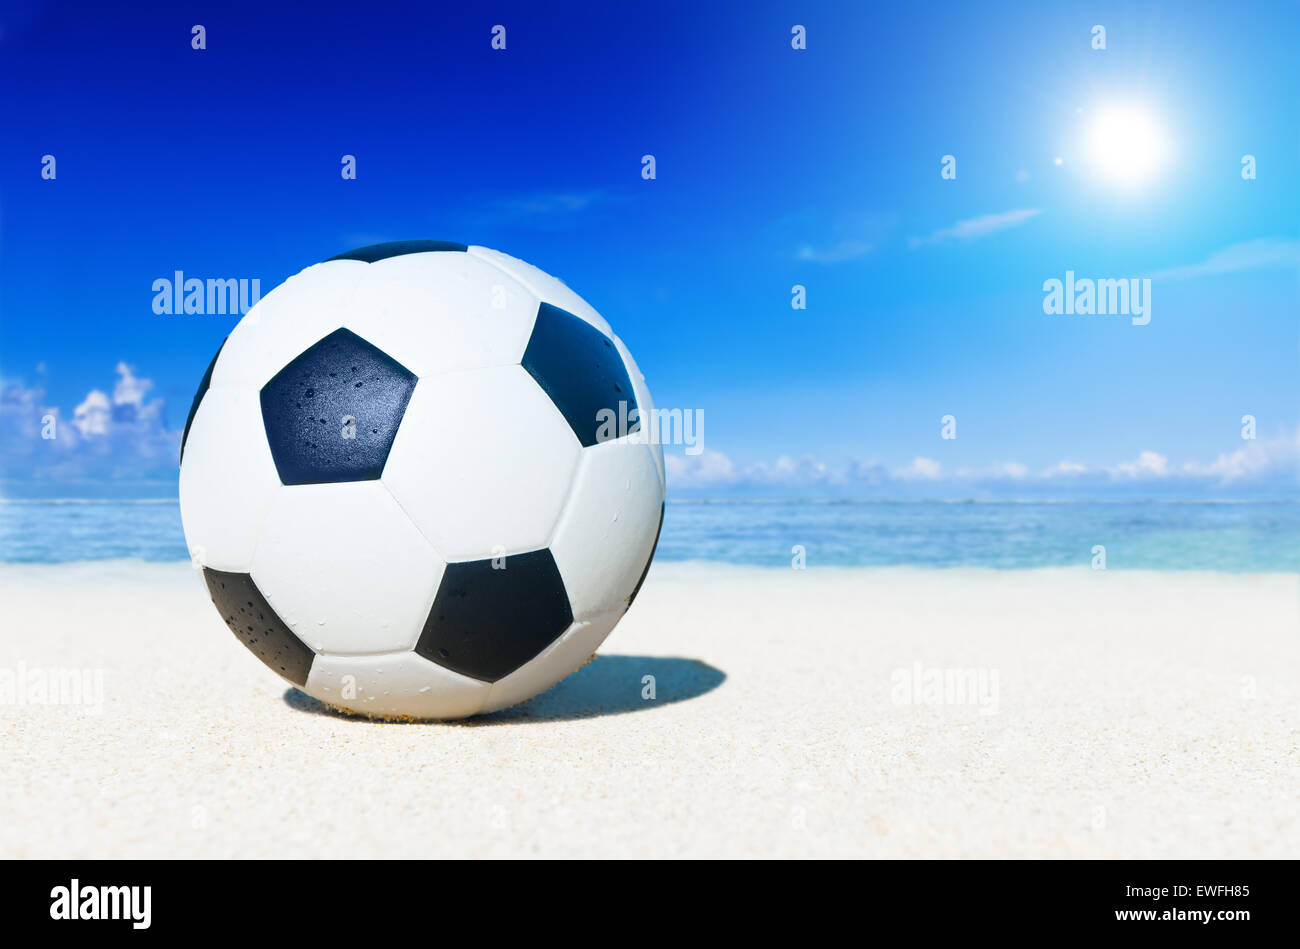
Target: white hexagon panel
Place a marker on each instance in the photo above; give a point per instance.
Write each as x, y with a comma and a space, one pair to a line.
305, 308
396, 685
227, 480
616, 505
483, 463
345, 569
443, 312
546, 288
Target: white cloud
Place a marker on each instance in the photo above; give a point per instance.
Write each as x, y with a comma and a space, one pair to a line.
1253, 459
926, 468
92, 416
117, 438
976, 227
95, 415
1250, 255
706, 468
1271, 466
1147, 464
787, 470
713, 468
130, 390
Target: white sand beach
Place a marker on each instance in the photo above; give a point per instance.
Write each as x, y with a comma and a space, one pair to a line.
1117, 714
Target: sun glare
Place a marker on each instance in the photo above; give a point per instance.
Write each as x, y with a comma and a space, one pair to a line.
1125, 145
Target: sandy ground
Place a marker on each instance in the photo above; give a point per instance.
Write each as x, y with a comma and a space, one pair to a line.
1113, 715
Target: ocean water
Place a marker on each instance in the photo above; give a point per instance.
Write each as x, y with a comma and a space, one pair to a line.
1237, 537
1233, 536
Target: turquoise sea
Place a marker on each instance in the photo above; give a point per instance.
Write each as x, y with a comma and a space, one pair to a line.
1234, 536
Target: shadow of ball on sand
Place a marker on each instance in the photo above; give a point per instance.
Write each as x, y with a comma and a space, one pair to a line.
606, 685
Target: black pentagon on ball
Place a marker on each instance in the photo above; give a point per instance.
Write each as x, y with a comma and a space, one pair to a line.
373, 252
579, 367
198, 396
490, 617
332, 413
257, 626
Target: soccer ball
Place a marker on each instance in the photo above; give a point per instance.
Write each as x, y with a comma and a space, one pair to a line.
418, 483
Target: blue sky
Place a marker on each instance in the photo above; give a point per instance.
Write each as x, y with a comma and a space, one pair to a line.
775, 167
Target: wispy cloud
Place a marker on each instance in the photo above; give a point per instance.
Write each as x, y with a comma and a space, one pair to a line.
977, 227
557, 210
835, 253
552, 202
533, 211
1064, 469
1249, 255
1002, 471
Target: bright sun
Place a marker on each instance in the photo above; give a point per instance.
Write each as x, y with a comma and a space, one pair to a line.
1125, 145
